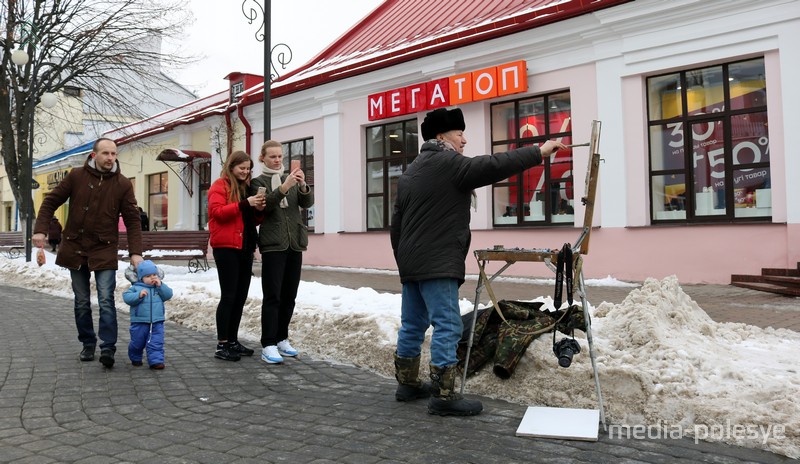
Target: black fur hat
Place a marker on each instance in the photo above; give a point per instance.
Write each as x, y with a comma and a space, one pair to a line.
440, 121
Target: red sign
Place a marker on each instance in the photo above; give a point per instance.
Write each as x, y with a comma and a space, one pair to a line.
495, 81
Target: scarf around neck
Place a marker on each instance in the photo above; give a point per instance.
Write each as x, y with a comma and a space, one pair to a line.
276, 182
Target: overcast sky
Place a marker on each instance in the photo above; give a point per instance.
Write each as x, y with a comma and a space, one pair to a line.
226, 42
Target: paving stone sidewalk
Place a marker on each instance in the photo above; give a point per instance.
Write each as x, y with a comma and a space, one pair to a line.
54, 408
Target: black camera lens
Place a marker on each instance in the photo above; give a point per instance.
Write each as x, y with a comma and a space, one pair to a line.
565, 349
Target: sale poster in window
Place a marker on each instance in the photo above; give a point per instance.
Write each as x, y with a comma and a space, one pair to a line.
749, 145
533, 179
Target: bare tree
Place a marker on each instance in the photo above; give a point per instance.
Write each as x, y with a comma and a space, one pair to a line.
111, 49
223, 136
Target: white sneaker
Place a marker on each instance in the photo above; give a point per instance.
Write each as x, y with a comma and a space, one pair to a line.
270, 355
286, 349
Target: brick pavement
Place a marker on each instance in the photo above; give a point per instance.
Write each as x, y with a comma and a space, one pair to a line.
54, 408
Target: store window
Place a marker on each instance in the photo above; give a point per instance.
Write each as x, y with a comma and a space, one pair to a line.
302, 151
390, 149
158, 190
204, 171
709, 144
543, 194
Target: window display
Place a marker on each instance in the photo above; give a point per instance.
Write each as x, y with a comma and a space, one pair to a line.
542, 194
708, 130
158, 193
390, 149
302, 151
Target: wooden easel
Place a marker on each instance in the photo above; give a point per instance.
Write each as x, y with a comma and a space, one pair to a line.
548, 257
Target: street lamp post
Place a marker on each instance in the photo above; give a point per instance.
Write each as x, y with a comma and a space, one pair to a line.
20, 58
281, 50
28, 190
267, 70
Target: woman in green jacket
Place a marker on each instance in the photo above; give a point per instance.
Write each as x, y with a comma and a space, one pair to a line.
282, 239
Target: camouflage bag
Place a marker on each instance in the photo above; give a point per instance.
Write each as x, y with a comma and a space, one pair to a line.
504, 343
573, 319
487, 330
484, 341
513, 339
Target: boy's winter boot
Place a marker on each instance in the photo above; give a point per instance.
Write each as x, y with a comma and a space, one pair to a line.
407, 374
445, 401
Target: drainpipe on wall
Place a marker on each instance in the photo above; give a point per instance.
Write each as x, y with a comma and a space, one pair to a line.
228, 135
248, 130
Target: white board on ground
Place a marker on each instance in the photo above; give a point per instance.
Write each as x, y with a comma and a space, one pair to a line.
564, 423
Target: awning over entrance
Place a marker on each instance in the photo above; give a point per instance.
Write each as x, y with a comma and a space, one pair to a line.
186, 171
174, 154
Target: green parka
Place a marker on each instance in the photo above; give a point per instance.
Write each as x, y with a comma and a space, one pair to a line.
282, 228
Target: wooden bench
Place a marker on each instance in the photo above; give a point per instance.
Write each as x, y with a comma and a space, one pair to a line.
12, 243
173, 244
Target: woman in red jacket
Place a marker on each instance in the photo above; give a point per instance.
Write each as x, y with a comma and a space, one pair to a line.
232, 220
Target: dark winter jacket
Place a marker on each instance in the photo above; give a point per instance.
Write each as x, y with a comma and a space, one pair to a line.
96, 201
282, 228
150, 308
430, 221
54, 231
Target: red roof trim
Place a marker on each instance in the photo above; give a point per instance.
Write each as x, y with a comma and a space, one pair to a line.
198, 115
255, 94
193, 102
514, 24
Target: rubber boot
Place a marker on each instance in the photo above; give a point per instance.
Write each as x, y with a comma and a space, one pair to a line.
445, 401
407, 374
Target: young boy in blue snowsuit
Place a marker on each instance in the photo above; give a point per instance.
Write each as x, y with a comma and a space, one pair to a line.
146, 298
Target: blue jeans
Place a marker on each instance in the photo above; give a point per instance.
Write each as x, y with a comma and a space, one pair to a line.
425, 303
106, 281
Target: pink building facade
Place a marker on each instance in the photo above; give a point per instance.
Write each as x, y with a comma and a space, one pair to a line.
698, 142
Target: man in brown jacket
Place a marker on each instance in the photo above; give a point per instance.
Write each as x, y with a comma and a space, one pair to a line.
98, 194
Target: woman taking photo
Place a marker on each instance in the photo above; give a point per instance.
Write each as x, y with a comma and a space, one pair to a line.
282, 239
232, 220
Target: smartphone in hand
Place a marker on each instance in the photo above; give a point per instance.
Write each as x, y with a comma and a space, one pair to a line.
294, 166
262, 191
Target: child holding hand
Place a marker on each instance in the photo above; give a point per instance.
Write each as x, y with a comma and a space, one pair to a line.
146, 298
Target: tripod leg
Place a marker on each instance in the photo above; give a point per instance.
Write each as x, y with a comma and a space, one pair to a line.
582, 293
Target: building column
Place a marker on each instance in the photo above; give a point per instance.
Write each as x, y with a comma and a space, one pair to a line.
187, 208
331, 187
